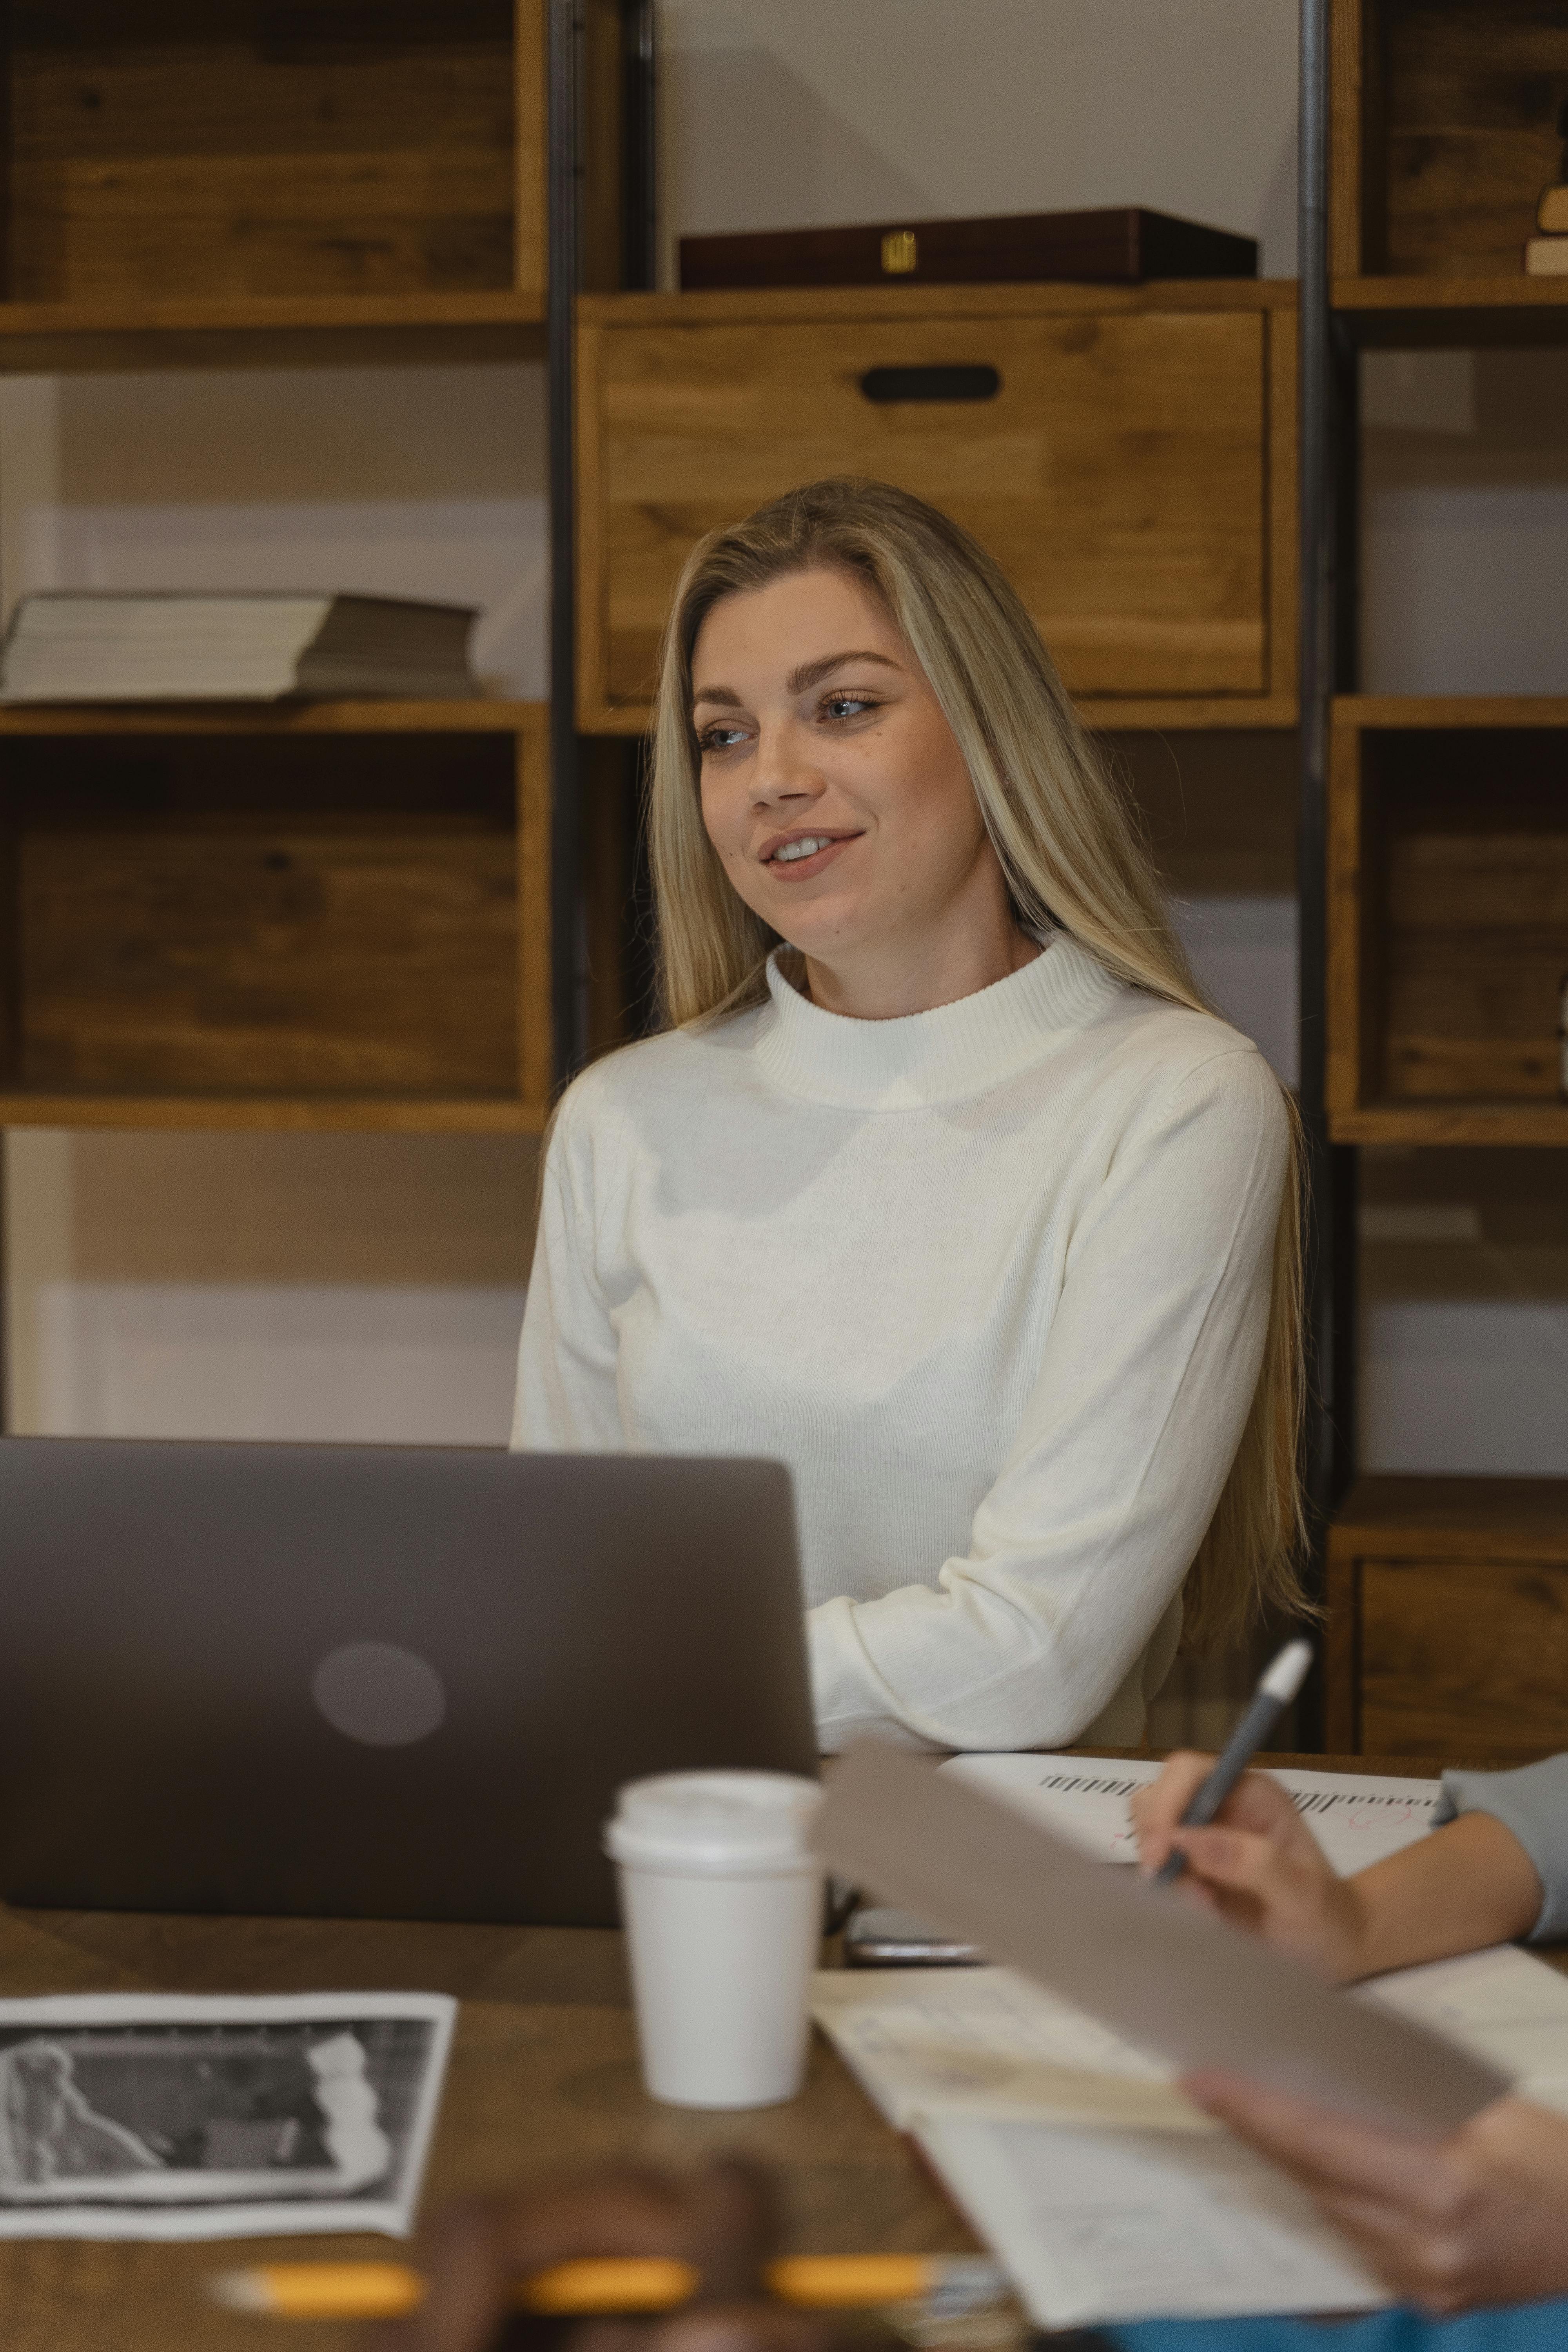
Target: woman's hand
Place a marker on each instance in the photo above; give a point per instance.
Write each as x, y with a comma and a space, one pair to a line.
722, 2222
1466, 1885
1257, 1864
1479, 2218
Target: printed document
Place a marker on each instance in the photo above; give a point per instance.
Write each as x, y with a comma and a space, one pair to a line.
131, 2115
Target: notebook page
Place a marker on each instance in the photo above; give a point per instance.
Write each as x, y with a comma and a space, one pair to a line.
1098, 2225
1356, 1818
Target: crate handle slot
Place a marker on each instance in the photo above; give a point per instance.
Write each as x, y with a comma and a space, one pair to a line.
883, 385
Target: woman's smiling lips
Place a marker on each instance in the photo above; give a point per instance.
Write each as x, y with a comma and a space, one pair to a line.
789, 858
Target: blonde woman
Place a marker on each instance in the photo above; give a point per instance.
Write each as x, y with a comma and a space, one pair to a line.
942, 1184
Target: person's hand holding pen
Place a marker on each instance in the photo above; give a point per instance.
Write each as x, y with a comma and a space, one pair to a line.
1257, 1864
723, 2221
1466, 1885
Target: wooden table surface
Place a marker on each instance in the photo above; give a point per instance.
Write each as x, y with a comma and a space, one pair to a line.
542, 2081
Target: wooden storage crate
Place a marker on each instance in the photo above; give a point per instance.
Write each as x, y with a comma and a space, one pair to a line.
338, 916
1448, 1619
1128, 457
1448, 920
171, 166
1443, 135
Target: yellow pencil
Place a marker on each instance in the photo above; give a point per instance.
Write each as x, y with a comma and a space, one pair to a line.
620, 2283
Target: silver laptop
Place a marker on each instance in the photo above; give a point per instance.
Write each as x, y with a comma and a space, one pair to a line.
373, 1682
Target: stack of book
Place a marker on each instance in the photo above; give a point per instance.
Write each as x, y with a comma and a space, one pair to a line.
1546, 256
67, 646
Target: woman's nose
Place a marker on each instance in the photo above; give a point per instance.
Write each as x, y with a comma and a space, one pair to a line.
784, 770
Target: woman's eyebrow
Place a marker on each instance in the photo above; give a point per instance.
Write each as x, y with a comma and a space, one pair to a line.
812, 673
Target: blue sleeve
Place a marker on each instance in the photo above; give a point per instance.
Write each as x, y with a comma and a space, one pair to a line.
1520, 2327
1533, 1804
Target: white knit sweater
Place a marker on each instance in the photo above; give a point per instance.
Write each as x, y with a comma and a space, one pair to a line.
993, 1280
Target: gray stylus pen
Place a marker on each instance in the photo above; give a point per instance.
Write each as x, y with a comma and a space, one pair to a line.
1272, 1696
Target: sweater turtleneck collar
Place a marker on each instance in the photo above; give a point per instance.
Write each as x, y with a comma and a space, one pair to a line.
930, 1057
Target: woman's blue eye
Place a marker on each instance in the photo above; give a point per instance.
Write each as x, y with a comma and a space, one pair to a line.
839, 706
718, 739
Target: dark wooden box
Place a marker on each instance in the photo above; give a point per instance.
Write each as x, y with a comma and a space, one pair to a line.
1118, 247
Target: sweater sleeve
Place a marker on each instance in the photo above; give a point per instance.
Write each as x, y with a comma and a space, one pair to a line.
567, 1400
1533, 1804
1146, 1378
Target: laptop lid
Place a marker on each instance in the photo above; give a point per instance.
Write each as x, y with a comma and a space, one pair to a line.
374, 1681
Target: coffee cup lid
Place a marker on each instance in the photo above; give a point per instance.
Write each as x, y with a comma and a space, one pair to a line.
714, 1821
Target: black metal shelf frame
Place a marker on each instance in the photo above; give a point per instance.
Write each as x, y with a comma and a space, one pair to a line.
639, 270
1329, 441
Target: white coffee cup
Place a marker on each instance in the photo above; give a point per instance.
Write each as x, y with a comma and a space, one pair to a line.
723, 1902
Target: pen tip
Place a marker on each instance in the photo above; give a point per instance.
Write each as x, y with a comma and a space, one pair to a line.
1290, 1671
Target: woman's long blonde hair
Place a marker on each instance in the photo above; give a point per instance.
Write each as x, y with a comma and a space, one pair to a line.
1074, 855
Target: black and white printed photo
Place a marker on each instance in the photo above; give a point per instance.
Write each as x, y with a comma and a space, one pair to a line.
163, 2118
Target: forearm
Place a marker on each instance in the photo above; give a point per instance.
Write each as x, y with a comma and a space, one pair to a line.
1468, 1885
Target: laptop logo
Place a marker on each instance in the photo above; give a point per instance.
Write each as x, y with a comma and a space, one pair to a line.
379, 1695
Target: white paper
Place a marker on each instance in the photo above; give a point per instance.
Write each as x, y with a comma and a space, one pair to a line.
1096, 2225
1502, 2003
1357, 1818
158, 2116
986, 2041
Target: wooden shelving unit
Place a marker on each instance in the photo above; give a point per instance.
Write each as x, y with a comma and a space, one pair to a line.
330, 915
1443, 132
171, 169
1430, 130
1128, 453
1448, 1618
1448, 920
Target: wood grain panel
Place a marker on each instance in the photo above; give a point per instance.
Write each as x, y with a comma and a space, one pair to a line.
1449, 906
1284, 505
536, 1037
340, 923
530, 181
1537, 1126
1345, 987
1350, 166
1473, 94
265, 148
1483, 1529
1457, 1655
1120, 475
1412, 1518
337, 957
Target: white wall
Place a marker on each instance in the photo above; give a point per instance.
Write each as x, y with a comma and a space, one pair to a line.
815, 112
282, 1286
1465, 556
